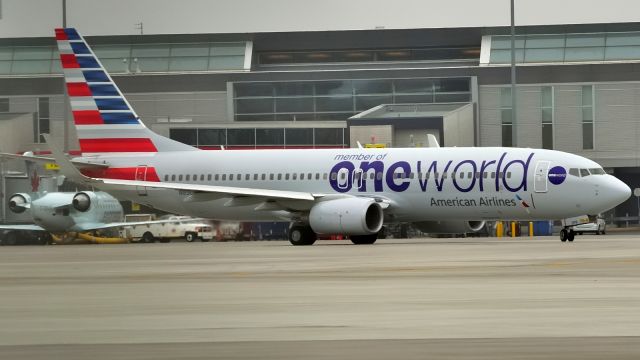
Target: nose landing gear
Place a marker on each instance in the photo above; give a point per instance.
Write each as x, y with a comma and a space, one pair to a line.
567, 234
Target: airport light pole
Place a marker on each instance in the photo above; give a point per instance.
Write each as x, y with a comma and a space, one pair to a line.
65, 120
514, 129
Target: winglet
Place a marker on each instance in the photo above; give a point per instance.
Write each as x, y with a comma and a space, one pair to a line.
432, 142
66, 167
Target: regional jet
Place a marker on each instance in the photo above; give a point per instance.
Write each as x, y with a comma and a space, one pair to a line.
320, 191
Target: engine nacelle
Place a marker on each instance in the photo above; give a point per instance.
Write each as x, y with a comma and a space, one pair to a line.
449, 227
20, 202
349, 216
82, 201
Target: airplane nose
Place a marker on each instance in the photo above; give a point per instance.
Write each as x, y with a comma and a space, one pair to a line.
617, 190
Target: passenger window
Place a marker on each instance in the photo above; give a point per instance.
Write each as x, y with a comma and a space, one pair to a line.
173, 177
187, 177
462, 175
180, 177
224, 177
286, 176
302, 176
247, 177
166, 178
217, 177
279, 176
208, 177
309, 176
343, 176
255, 177
202, 177
493, 175
317, 176
411, 175
444, 176
334, 176
584, 172
272, 176
379, 176
195, 177
264, 177
509, 175
324, 176
230, 177
295, 176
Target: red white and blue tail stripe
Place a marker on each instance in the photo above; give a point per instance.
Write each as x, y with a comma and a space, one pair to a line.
104, 119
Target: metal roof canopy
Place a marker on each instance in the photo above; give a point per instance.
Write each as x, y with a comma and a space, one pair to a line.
421, 115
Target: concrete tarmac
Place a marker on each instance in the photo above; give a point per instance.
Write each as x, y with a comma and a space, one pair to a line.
480, 298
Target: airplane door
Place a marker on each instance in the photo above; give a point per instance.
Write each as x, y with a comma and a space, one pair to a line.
141, 174
540, 180
357, 178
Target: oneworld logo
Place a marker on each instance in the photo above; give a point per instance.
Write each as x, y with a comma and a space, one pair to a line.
557, 174
374, 172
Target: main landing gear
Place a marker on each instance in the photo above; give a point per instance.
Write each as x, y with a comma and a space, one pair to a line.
567, 233
302, 235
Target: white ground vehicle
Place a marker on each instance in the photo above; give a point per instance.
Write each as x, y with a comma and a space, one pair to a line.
173, 227
599, 226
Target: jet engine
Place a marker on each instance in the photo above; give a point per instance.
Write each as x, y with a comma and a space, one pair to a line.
449, 227
19, 202
82, 201
351, 216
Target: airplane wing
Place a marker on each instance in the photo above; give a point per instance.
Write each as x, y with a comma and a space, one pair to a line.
44, 159
22, 227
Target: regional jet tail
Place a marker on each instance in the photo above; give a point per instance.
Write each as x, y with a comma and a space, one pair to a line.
329, 191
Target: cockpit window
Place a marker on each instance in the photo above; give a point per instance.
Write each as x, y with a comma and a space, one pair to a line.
574, 172
584, 172
597, 171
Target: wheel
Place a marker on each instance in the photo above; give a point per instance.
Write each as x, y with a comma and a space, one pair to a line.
363, 239
190, 237
302, 235
571, 235
148, 238
564, 235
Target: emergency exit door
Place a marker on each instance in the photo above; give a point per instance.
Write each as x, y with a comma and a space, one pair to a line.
141, 175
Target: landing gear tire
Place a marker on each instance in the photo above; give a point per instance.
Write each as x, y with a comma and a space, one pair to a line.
148, 238
302, 235
363, 239
564, 235
603, 232
571, 235
189, 237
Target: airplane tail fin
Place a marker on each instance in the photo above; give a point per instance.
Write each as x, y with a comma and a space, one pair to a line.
32, 173
104, 119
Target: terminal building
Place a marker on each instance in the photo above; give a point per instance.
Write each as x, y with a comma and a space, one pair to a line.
578, 89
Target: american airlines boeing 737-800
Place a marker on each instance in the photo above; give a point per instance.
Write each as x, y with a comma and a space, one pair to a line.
348, 191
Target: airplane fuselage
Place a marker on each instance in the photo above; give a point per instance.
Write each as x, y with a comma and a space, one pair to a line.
418, 183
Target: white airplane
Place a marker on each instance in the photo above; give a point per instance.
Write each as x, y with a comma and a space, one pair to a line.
58, 212
329, 191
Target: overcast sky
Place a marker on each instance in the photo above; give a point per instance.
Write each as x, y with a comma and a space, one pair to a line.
27, 18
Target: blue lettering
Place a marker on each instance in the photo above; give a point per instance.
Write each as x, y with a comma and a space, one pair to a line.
406, 170
337, 171
525, 170
473, 176
378, 168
